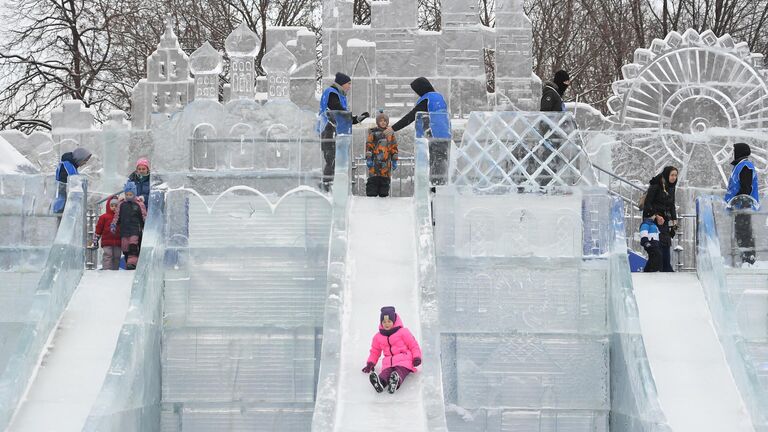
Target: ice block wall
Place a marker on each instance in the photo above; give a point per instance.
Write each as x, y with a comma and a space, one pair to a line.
243, 310
523, 311
246, 262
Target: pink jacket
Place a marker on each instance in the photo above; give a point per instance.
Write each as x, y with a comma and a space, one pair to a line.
400, 348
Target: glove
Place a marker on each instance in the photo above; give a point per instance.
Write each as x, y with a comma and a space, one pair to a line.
368, 367
95, 242
416, 361
369, 162
363, 116
672, 231
645, 243
112, 228
394, 164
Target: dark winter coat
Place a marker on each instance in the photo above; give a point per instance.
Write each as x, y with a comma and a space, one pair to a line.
550, 97
102, 228
380, 150
130, 217
660, 200
142, 186
420, 86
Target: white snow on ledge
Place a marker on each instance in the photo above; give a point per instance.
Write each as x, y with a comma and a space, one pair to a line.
359, 43
13, 162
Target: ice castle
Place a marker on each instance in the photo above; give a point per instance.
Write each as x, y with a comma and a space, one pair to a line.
257, 293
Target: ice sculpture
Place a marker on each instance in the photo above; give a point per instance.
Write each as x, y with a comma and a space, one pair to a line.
505, 151
168, 86
206, 65
279, 63
684, 101
274, 143
242, 45
383, 62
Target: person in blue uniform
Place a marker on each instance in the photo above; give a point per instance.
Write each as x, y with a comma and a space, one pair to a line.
436, 127
743, 194
334, 98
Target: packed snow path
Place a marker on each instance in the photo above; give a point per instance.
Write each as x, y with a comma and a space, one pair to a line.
78, 357
695, 386
381, 271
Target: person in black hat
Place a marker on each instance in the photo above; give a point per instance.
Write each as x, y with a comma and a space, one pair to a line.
743, 194
660, 206
552, 92
334, 99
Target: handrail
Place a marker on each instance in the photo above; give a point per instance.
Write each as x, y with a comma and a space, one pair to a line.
129, 398
60, 277
619, 178
324, 415
431, 378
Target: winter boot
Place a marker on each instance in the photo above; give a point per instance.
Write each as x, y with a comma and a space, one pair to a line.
130, 266
394, 382
375, 382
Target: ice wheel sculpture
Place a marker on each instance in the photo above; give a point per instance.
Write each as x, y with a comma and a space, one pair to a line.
682, 98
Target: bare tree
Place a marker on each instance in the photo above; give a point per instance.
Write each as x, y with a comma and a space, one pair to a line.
61, 49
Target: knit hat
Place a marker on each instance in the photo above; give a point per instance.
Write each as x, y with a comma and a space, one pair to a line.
80, 156
388, 311
382, 116
142, 162
342, 79
740, 151
130, 187
561, 76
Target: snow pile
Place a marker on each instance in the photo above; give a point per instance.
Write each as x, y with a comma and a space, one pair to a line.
13, 162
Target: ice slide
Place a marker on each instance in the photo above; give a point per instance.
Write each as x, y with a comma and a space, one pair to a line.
696, 389
79, 353
382, 271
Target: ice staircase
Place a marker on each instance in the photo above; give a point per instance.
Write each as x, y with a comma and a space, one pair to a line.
73, 368
382, 271
696, 389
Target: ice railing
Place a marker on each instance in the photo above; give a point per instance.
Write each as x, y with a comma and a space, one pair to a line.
324, 415
129, 399
431, 372
61, 275
634, 401
743, 346
527, 151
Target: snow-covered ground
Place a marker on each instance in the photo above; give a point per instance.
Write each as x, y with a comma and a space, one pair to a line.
696, 389
382, 272
78, 357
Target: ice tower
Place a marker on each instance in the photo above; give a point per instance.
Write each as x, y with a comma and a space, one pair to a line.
383, 59
168, 86
205, 64
242, 45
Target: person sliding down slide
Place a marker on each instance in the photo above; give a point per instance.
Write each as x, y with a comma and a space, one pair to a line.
401, 352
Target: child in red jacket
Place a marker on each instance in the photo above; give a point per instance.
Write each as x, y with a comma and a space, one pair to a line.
110, 243
401, 352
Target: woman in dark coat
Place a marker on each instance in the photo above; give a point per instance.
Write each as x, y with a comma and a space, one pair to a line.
660, 200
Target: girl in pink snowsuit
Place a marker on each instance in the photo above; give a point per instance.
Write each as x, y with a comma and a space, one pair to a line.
401, 352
